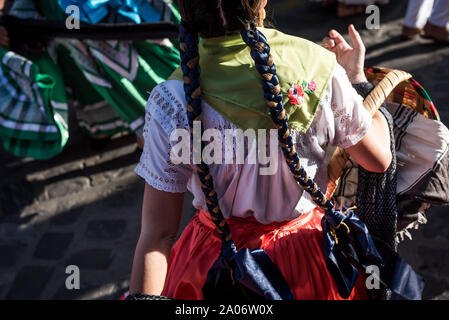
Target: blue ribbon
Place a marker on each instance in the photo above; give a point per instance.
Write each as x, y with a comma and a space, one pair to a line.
346, 249
116, 11
252, 269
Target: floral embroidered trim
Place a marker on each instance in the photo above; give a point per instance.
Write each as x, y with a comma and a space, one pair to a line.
354, 131
311, 86
170, 112
296, 92
143, 171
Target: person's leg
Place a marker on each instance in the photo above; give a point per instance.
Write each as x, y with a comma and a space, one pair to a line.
418, 12
353, 7
438, 25
348, 8
440, 14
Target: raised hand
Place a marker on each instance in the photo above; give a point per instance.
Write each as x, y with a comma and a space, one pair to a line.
352, 59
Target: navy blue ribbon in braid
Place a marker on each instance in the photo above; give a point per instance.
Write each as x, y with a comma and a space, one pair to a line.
347, 248
260, 52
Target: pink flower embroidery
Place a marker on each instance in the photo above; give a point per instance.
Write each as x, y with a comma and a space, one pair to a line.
312, 85
296, 94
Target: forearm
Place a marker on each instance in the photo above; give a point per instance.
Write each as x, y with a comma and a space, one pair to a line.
161, 213
379, 123
150, 265
373, 151
357, 77
381, 132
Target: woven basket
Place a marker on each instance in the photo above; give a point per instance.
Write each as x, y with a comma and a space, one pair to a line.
392, 86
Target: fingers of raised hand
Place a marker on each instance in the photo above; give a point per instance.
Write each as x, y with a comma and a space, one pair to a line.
340, 42
356, 39
328, 43
336, 36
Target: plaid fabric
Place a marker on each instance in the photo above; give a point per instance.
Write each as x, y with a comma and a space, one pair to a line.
33, 106
118, 72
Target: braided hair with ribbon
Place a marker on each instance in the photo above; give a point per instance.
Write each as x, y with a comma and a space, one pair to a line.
189, 38
191, 77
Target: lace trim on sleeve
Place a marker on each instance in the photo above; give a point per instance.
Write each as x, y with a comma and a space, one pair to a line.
354, 128
168, 107
158, 182
164, 113
352, 121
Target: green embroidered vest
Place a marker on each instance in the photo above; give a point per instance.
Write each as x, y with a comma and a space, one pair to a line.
231, 85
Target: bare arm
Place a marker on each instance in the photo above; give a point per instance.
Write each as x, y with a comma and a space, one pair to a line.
161, 213
373, 151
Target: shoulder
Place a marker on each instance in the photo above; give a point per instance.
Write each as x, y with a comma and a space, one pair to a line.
298, 59
170, 91
298, 44
167, 105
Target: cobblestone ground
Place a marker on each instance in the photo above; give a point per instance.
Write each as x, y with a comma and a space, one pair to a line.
83, 207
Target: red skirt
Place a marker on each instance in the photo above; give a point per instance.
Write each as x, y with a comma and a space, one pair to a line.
294, 246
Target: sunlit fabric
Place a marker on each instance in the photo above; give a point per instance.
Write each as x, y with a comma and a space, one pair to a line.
93, 11
294, 246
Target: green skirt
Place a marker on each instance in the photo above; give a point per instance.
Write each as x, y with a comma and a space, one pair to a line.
106, 82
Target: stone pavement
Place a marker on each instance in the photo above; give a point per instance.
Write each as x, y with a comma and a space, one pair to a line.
83, 207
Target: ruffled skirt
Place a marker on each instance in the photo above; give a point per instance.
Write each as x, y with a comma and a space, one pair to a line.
294, 246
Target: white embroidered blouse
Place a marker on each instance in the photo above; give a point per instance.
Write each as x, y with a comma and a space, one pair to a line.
341, 120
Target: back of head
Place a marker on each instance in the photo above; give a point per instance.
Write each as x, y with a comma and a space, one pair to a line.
213, 18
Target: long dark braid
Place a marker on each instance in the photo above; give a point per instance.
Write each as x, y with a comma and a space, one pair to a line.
260, 52
191, 77
204, 20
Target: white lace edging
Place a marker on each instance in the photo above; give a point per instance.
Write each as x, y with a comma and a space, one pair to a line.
143, 172
352, 140
167, 108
